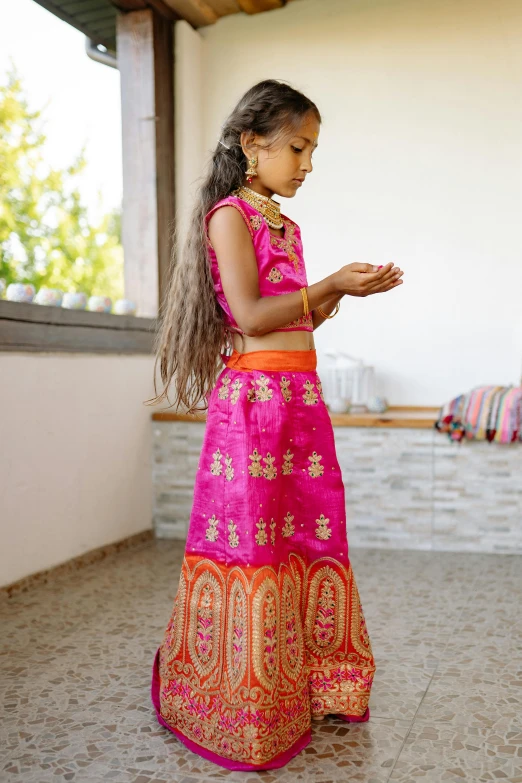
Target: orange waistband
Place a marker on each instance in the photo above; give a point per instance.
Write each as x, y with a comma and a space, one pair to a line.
299, 361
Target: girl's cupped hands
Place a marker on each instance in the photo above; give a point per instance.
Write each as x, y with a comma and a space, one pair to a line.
365, 279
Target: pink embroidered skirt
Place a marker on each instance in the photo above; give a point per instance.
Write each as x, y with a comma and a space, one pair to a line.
267, 627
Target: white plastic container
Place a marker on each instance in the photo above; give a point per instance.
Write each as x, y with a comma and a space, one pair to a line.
49, 296
99, 304
125, 307
348, 383
20, 292
74, 300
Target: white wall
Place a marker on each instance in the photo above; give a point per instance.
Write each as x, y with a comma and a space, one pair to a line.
420, 163
75, 462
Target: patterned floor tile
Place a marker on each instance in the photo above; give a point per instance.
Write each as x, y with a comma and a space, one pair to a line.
446, 702
433, 754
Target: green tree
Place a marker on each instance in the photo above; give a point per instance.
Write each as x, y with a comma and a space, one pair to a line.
46, 236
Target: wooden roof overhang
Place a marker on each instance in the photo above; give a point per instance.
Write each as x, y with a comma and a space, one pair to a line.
97, 18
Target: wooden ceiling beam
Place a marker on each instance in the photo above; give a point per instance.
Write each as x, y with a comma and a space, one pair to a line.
259, 6
164, 10
198, 13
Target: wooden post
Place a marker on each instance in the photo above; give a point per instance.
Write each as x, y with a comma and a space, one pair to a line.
146, 65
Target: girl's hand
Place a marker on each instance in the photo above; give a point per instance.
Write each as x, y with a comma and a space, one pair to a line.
366, 279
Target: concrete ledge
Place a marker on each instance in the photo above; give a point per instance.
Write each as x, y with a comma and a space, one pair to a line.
32, 327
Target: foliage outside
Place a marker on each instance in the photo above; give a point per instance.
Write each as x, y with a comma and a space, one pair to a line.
46, 237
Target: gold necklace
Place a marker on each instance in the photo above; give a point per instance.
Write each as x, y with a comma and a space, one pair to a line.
270, 209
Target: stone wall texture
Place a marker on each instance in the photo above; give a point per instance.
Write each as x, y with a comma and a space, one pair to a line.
405, 488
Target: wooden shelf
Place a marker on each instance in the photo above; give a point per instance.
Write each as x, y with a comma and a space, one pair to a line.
400, 417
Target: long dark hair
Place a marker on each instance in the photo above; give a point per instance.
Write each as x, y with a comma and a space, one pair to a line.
191, 332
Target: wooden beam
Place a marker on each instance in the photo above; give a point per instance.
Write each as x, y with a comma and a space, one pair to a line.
146, 65
197, 13
259, 6
163, 8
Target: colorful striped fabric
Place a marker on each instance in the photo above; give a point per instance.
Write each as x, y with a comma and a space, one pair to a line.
491, 413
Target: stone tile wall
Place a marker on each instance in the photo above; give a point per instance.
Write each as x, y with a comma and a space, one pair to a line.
405, 488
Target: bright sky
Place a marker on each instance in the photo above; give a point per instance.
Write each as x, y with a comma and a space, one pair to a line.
83, 97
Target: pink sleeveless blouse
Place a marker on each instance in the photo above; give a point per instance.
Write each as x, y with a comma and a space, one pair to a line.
280, 262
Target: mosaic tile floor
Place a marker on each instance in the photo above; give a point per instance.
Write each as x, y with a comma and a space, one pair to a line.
446, 705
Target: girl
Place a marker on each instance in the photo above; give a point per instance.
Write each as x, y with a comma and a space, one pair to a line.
267, 631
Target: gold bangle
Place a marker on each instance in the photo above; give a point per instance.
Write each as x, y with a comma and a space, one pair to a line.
304, 294
321, 312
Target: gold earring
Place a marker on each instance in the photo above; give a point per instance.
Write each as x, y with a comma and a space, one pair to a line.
251, 171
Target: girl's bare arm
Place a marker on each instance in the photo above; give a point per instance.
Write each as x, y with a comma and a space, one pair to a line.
257, 315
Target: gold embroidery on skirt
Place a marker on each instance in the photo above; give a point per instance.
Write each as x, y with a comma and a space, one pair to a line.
272, 531
229, 471
261, 536
223, 392
236, 386
263, 394
288, 529
360, 638
176, 626
323, 532
204, 635
237, 635
224, 709
325, 612
309, 397
319, 386
288, 465
211, 533
285, 388
233, 539
315, 469
255, 469
292, 642
265, 652
270, 471
216, 467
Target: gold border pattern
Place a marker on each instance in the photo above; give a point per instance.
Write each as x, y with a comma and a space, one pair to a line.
263, 650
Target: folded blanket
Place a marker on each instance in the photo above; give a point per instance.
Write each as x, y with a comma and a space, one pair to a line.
491, 413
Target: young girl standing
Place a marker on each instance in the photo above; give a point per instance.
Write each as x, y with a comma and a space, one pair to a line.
267, 630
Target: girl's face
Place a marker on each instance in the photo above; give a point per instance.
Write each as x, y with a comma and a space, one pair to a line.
282, 168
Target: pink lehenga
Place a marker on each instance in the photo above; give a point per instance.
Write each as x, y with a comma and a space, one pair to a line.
267, 628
